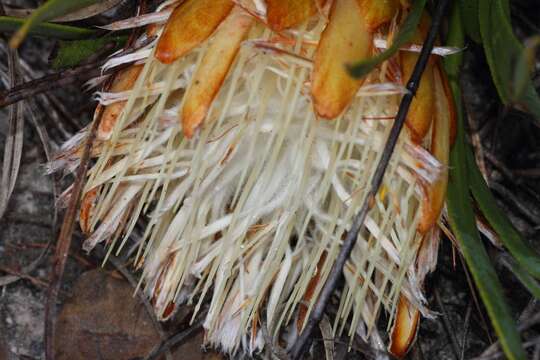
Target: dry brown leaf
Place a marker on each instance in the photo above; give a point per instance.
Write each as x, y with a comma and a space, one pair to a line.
103, 320
4, 354
125, 80
191, 23
405, 327
283, 14
213, 69
433, 200
345, 40
378, 12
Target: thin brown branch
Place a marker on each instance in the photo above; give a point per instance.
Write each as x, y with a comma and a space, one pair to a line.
176, 339
61, 78
336, 272
57, 80
64, 241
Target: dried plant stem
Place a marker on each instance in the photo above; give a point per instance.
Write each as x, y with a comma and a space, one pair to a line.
66, 231
83, 72
176, 339
337, 269
58, 79
64, 241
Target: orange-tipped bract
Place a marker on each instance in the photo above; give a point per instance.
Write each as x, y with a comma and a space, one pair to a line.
404, 329
421, 111
213, 69
191, 23
283, 14
378, 12
87, 206
434, 198
345, 40
125, 80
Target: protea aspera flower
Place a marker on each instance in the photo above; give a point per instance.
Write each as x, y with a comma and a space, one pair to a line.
242, 139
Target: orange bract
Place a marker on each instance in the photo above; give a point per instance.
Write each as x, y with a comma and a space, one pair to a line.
123, 81
421, 111
433, 201
308, 295
451, 105
191, 23
378, 12
404, 329
345, 39
283, 14
213, 69
87, 206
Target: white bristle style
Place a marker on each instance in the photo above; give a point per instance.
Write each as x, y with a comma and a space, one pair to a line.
244, 215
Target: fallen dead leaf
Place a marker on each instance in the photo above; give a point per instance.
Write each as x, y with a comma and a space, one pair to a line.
4, 355
103, 320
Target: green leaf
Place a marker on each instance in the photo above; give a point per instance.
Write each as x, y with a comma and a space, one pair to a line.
523, 276
64, 32
469, 14
462, 220
72, 53
510, 237
50, 10
405, 34
503, 51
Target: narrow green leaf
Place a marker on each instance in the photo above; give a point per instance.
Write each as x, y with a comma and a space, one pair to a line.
523, 276
462, 220
63, 32
50, 10
469, 14
510, 237
503, 51
405, 34
71, 53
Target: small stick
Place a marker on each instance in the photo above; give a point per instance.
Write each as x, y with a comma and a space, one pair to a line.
337, 269
62, 78
64, 241
158, 350
47, 82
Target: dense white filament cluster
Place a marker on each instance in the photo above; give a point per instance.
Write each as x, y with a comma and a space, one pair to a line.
248, 212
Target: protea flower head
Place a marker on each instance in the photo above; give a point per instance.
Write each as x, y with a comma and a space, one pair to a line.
240, 137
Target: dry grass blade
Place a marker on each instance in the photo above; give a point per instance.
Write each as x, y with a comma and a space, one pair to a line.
14, 141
